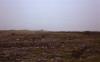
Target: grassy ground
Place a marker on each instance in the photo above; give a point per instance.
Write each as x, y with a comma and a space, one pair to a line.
29, 46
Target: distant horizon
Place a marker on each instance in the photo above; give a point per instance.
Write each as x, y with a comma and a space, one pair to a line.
45, 30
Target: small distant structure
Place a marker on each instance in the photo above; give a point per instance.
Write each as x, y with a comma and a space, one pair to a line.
41, 30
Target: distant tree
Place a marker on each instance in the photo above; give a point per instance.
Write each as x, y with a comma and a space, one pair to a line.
87, 32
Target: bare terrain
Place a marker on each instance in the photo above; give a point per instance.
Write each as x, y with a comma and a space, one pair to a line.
37, 46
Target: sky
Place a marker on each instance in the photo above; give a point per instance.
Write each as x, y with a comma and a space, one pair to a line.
53, 15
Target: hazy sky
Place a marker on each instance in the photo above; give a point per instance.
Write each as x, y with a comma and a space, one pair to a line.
58, 15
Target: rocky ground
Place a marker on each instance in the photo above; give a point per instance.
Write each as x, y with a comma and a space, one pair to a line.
29, 46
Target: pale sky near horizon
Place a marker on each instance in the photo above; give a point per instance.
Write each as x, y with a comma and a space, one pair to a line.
60, 15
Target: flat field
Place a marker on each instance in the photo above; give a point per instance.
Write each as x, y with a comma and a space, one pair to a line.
36, 46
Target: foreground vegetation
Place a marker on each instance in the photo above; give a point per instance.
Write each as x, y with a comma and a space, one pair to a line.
29, 46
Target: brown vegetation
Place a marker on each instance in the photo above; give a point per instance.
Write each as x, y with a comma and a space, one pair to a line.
30, 46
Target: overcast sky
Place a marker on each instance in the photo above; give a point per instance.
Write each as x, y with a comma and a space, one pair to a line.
60, 15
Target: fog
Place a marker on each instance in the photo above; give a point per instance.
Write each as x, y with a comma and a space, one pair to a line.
54, 15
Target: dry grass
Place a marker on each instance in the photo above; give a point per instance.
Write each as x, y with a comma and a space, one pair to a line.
28, 46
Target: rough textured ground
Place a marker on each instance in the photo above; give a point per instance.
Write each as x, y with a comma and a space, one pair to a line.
28, 46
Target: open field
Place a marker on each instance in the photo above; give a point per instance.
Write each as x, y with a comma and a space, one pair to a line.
32, 46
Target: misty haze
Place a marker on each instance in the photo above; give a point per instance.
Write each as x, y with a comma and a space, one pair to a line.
49, 31
60, 15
